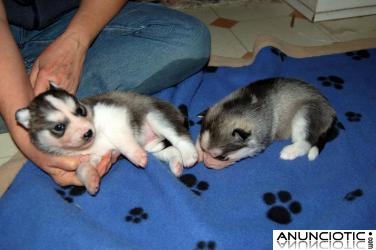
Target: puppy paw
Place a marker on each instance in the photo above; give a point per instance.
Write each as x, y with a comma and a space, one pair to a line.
292, 151
188, 152
176, 167
89, 176
313, 153
138, 157
173, 156
92, 183
154, 146
91, 180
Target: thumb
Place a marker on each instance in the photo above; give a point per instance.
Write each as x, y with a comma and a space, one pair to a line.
105, 163
68, 163
40, 80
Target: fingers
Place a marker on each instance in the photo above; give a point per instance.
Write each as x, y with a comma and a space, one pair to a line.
65, 173
68, 163
62, 169
114, 156
39, 80
61, 176
65, 178
60, 62
105, 164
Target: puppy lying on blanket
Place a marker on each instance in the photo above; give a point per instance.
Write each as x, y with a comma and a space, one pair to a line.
244, 123
125, 122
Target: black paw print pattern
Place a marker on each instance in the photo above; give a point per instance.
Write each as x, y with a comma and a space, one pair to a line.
203, 245
279, 53
332, 81
68, 193
354, 194
136, 215
353, 117
281, 213
359, 55
197, 187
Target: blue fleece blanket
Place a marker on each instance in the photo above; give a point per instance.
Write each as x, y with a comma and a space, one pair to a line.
234, 208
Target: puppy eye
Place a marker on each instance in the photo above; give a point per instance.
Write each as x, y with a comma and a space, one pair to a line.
81, 111
60, 127
221, 158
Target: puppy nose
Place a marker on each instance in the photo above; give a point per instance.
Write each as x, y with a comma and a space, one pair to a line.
88, 134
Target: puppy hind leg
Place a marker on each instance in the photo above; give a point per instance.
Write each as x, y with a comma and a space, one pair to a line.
89, 176
155, 146
127, 145
180, 140
173, 157
135, 153
300, 136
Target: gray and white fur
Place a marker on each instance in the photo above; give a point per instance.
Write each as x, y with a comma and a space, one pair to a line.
127, 123
244, 123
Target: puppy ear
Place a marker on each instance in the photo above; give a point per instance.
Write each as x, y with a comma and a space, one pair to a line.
23, 117
53, 85
240, 134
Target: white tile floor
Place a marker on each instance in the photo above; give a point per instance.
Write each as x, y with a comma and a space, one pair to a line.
274, 17
247, 21
7, 148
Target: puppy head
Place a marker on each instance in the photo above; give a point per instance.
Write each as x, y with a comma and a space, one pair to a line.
227, 137
57, 122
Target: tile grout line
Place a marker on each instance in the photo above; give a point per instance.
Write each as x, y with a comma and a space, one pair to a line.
232, 32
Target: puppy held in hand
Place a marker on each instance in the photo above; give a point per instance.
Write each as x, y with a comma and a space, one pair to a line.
124, 122
244, 123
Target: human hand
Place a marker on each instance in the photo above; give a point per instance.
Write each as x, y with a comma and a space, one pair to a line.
61, 62
62, 169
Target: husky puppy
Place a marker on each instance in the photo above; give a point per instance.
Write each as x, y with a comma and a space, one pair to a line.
125, 122
244, 123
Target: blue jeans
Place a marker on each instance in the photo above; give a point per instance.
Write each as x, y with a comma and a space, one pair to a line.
145, 48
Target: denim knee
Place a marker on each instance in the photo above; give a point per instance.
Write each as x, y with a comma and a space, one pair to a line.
145, 48
167, 25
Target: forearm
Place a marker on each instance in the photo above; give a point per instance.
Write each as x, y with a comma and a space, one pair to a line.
91, 17
16, 91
